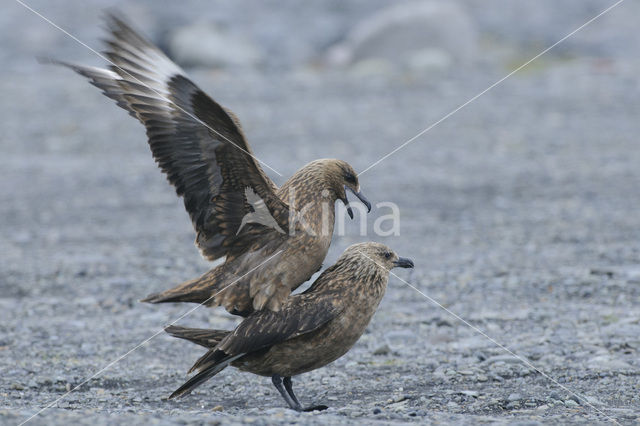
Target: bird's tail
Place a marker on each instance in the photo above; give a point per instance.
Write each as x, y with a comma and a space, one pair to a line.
219, 362
214, 288
198, 290
200, 336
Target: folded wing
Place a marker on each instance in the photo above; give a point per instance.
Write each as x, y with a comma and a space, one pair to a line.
303, 314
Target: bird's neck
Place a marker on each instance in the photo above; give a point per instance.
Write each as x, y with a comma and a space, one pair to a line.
309, 197
367, 282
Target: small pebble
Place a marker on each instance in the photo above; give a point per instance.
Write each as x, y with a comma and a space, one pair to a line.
382, 350
514, 397
481, 356
496, 378
555, 395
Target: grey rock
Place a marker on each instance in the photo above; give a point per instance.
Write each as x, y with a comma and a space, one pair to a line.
555, 395
496, 378
513, 404
382, 350
481, 356
575, 399
209, 45
372, 67
571, 403
608, 363
421, 36
514, 397
593, 401
506, 358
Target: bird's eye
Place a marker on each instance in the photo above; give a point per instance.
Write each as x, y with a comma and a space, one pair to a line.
350, 178
387, 255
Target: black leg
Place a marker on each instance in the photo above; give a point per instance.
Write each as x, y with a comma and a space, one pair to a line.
293, 402
289, 388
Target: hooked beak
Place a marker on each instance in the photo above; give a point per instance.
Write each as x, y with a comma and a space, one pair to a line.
403, 262
361, 197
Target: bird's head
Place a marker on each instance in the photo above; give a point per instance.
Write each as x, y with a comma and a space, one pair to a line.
362, 266
340, 178
377, 255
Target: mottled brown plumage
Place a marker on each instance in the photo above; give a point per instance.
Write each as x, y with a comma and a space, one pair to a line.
202, 149
311, 329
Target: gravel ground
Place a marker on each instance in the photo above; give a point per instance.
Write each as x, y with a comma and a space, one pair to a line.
520, 212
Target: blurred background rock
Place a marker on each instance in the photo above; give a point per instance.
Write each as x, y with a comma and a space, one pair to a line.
285, 35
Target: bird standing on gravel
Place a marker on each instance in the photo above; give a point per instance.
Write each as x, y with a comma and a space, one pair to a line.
202, 149
310, 330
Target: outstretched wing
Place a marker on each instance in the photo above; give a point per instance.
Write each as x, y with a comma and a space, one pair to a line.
195, 141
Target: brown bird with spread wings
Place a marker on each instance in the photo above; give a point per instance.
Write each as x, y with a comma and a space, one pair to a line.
311, 329
202, 149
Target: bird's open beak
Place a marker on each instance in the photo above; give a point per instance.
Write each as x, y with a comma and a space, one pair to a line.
361, 197
403, 262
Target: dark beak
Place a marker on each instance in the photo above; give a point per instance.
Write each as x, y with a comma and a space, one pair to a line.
403, 262
361, 197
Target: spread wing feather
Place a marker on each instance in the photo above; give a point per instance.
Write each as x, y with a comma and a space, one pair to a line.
195, 141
